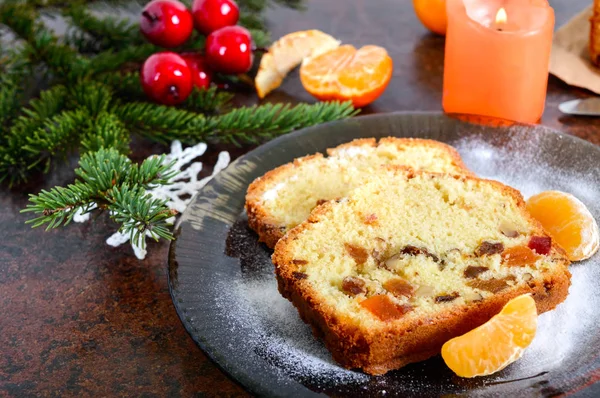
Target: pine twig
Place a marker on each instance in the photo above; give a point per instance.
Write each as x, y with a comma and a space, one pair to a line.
93, 34
110, 181
247, 125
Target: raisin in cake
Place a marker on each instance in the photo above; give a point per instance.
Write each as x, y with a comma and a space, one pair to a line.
410, 260
285, 196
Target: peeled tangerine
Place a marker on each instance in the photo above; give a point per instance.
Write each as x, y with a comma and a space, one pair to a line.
348, 74
568, 221
287, 53
495, 344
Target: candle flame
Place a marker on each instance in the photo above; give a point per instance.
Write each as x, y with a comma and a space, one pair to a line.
501, 16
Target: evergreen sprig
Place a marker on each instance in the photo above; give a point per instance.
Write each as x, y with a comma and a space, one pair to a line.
110, 181
93, 104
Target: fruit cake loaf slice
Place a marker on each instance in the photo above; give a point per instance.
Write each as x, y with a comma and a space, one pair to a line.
285, 196
410, 260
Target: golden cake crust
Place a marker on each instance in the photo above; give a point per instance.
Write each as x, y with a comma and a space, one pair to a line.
270, 230
404, 341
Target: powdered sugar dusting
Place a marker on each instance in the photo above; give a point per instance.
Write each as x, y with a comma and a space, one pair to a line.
351, 152
519, 164
272, 193
278, 334
273, 330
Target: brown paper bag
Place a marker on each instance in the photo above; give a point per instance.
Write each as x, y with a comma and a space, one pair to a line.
570, 58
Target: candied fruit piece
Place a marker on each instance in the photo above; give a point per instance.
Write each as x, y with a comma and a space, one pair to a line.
446, 298
489, 248
399, 287
352, 285
519, 256
299, 275
359, 254
384, 308
493, 285
371, 219
415, 251
540, 244
473, 271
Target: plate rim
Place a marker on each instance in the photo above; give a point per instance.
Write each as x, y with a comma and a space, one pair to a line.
241, 378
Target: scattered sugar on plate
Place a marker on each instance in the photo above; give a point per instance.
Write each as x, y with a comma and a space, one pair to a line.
277, 334
517, 164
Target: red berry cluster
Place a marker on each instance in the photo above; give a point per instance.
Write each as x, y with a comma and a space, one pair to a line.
168, 77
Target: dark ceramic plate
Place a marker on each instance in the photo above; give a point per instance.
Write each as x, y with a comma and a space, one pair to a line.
224, 290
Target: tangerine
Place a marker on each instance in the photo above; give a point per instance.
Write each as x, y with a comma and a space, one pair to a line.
568, 222
495, 344
432, 14
287, 53
348, 74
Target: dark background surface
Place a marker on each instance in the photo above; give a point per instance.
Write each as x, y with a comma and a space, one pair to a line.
78, 317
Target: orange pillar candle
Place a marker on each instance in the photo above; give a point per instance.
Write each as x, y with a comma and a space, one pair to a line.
497, 58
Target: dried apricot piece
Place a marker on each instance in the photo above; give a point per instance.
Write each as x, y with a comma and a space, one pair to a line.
495, 344
384, 308
519, 256
352, 285
399, 287
568, 221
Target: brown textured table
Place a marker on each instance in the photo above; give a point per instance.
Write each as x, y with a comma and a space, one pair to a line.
80, 318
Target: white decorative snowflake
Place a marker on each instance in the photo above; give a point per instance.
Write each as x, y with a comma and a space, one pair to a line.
184, 184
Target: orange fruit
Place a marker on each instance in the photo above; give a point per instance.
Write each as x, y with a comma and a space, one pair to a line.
432, 14
348, 74
568, 222
287, 53
495, 344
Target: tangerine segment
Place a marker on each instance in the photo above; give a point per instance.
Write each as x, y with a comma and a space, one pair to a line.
495, 344
568, 221
348, 74
287, 53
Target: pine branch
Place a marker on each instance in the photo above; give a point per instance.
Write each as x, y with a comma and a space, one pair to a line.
16, 162
248, 125
139, 213
94, 97
94, 34
210, 101
110, 60
57, 136
14, 72
109, 180
42, 45
106, 131
125, 86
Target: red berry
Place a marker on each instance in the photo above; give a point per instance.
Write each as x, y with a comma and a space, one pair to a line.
166, 78
210, 15
201, 74
166, 23
229, 50
540, 244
